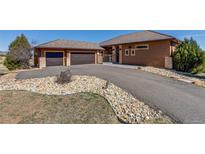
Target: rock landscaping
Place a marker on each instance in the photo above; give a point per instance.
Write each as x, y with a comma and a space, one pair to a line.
173, 74
127, 108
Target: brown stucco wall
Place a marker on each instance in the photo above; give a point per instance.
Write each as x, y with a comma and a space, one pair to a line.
154, 56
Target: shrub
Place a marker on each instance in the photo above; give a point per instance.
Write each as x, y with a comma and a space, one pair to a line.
189, 57
11, 64
19, 53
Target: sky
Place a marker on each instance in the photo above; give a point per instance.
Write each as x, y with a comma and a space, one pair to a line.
42, 36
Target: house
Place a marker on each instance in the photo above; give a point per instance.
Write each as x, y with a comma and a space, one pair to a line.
142, 48
66, 53
147, 48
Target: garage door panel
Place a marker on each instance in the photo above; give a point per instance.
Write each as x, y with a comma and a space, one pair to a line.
82, 58
54, 58
54, 61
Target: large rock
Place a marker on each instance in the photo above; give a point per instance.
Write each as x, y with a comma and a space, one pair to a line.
65, 77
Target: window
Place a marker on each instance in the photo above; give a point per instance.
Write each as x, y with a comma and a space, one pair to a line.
173, 44
132, 52
142, 47
126, 52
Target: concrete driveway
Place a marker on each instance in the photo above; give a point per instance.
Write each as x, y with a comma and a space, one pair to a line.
183, 102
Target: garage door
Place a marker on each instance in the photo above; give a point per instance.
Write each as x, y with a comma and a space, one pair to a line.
54, 58
82, 58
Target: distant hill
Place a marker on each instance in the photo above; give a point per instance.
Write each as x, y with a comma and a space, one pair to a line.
3, 52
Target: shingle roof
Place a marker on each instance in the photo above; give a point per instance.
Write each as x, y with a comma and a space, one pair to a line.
136, 37
70, 44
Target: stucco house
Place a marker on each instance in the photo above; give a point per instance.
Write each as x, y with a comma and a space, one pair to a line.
141, 48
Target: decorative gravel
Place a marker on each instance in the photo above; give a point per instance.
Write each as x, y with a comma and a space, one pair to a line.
127, 108
173, 74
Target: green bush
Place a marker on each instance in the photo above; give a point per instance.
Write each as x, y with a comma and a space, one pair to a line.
11, 64
189, 57
19, 53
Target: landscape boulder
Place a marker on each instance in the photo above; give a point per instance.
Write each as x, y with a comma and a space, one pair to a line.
64, 77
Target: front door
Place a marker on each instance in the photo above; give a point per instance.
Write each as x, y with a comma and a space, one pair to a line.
117, 56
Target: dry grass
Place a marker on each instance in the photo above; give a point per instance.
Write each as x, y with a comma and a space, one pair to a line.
3, 69
2, 58
28, 107
199, 83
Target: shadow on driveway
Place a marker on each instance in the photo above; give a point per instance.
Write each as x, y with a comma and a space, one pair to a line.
41, 73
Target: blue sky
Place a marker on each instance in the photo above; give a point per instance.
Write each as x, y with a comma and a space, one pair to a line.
42, 36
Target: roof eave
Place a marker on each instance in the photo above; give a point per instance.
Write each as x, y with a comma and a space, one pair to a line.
138, 42
40, 47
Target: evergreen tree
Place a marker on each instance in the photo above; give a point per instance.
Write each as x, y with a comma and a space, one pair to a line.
189, 57
19, 53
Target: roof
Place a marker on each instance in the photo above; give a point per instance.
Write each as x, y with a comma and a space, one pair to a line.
137, 37
70, 44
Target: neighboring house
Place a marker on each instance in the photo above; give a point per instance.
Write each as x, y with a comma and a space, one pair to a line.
142, 48
66, 53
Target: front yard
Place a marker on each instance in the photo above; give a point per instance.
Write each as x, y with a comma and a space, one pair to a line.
86, 99
29, 107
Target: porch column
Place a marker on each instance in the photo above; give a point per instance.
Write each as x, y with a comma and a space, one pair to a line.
99, 57
42, 59
168, 62
68, 58
120, 54
113, 54
64, 57
96, 57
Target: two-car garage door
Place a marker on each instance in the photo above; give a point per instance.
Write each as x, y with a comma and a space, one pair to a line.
56, 58
82, 58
